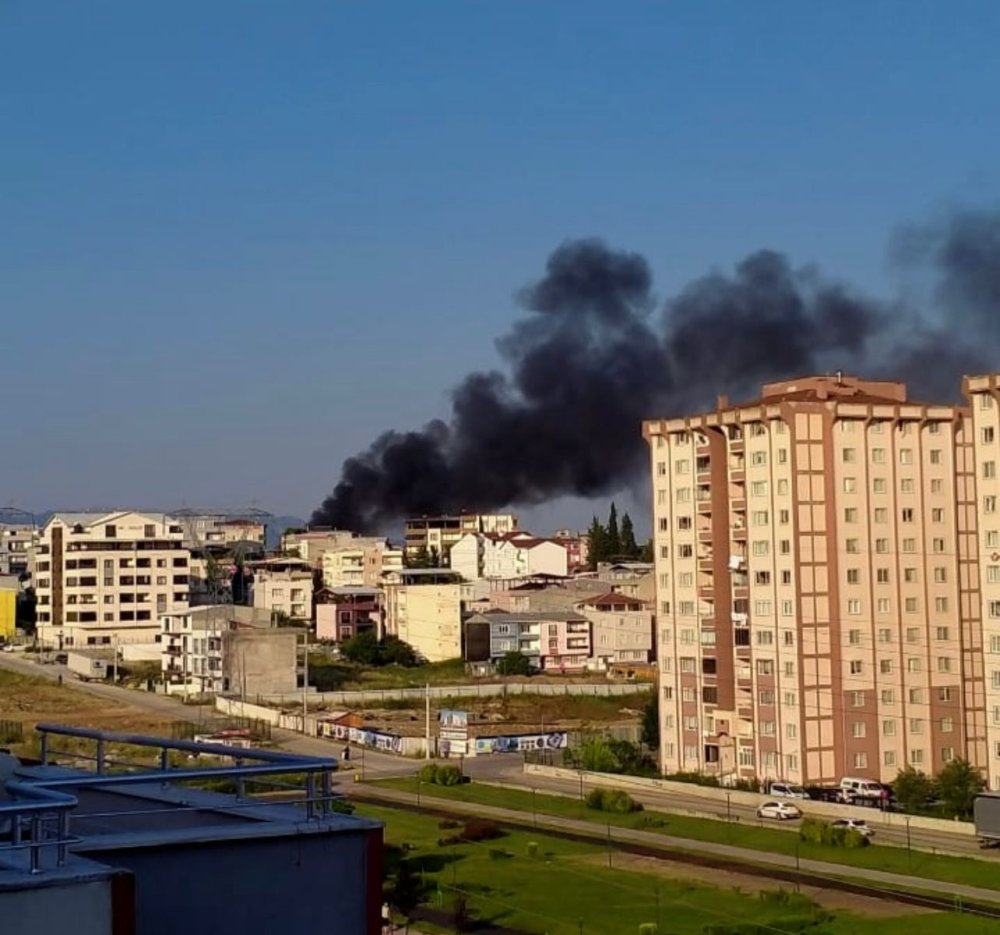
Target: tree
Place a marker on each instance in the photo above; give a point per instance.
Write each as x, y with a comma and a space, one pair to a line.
629, 547
24, 611
646, 553
614, 543
913, 788
958, 784
362, 649
650, 735
514, 663
597, 544
596, 755
393, 651
434, 558
420, 559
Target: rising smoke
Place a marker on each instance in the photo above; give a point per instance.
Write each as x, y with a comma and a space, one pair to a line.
593, 359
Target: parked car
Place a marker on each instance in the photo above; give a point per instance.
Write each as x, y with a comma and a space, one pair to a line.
855, 824
866, 790
782, 811
788, 790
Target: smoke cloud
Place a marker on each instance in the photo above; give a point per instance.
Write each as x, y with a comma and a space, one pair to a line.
593, 358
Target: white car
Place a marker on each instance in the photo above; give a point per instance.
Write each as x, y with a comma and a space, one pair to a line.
787, 790
782, 811
855, 824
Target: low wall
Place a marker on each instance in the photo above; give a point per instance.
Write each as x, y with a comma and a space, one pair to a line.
702, 796
353, 699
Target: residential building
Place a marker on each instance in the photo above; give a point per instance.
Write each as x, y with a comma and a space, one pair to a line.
310, 544
554, 642
818, 584
622, 629
283, 587
543, 595
10, 592
435, 535
343, 613
423, 607
161, 855
512, 555
16, 542
359, 562
108, 577
227, 649
223, 527
577, 547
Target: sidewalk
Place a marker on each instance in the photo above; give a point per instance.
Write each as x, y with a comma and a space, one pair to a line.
652, 839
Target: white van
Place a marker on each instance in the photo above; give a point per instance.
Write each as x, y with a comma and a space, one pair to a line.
852, 787
787, 790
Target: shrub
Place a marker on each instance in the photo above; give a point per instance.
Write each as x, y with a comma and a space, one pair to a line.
448, 824
612, 800
480, 829
815, 831
448, 776
428, 773
498, 853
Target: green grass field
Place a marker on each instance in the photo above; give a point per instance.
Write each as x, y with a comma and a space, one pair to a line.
970, 871
542, 884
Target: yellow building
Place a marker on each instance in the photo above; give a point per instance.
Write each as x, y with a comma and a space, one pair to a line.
8, 611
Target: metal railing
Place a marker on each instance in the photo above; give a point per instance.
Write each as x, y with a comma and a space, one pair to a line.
37, 816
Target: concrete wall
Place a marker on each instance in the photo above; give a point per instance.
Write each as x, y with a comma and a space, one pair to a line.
260, 661
702, 796
79, 908
478, 690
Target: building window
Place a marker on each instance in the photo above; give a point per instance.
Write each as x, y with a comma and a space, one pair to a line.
941, 633
907, 515
944, 664
762, 608
888, 696
852, 546
941, 605
854, 637
910, 605
761, 548
683, 466
937, 515
937, 486
889, 728
758, 458
935, 455
759, 517
987, 434
916, 725
858, 729
990, 504
878, 485
856, 666
765, 667
910, 575
913, 664
917, 757
906, 456
937, 546
884, 605
882, 546
882, 575
885, 635
850, 485
853, 576
909, 545
850, 514
110, 532
849, 455
947, 725
854, 606
758, 488
889, 757
860, 760
787, 609
878, 455
885, 666
881, 514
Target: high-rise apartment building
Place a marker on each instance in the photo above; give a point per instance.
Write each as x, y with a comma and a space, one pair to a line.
16, 541
102, 578
828, 582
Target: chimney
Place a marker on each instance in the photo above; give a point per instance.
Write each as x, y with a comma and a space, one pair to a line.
840, 378
722, 401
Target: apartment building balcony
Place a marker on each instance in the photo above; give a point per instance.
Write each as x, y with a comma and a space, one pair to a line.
739, 533
172, 650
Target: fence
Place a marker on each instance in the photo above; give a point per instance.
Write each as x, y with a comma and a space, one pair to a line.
357, 699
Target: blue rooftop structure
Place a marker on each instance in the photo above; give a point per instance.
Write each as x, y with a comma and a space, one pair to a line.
115, 849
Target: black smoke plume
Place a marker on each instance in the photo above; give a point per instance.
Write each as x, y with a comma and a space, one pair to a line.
593, 359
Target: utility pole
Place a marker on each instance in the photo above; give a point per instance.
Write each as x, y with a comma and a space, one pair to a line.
305, 681
427, 716
114, 661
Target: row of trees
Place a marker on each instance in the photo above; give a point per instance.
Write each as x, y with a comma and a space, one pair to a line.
953, 789
611, 542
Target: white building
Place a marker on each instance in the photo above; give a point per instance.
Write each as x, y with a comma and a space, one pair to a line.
515, 555
283, 586
359, 563
105, 577
226, 648
622, 629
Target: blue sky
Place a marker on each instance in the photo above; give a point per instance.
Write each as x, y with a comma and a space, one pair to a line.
239, 239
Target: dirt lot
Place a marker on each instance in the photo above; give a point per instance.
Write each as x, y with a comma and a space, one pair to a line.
748, 883
31, 700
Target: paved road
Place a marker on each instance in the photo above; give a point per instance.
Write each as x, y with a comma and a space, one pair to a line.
727, 851
505, 769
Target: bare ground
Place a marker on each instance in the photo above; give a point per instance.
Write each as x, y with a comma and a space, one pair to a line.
835, 900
